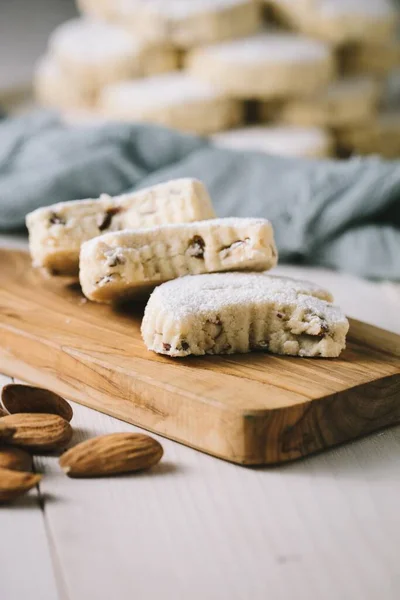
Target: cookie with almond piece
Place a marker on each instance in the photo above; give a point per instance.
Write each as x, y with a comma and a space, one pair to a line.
57, 232
119, 265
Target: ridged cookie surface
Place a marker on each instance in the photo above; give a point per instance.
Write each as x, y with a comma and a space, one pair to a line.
56, 232
241, 312
118, 265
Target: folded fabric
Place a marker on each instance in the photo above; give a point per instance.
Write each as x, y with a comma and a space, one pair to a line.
341, 214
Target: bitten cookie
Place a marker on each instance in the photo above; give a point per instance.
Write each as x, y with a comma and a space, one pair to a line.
175, 100
241, 312
95, 53
268, 65
56, 232
189, 23
119, 265
54, 88
339, 21
346, 101
311, 142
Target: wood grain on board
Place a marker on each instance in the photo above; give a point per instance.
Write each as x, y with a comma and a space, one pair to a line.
249, 409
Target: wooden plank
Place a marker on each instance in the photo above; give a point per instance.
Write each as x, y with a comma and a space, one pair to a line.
250, 409
25, 560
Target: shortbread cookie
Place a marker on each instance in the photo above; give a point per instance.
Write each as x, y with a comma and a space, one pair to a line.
54, 88
119, 265
372, 59
240, 312
189, 23
268, 65
175, 100
56, 232
380, 136
346, 101
94, 53
311, 142
104, 10
339, 21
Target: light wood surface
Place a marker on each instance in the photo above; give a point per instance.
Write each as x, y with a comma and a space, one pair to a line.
250, 409
326, 527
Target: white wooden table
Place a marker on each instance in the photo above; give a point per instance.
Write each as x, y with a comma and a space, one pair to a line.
198, 528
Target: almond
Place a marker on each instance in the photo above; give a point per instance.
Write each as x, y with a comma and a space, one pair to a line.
40, 432
6, 431
3, 412
18, 398
15, 459
111, 454
14, 483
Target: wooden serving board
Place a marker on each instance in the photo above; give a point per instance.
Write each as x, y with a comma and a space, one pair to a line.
249, 409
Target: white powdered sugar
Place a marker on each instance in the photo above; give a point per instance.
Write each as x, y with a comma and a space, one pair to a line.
210, 292
88, 41
271, 47
174, 88
281, 140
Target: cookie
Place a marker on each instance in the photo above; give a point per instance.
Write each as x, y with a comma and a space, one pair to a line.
377, 59
56, 232
379, 136
189, 23
53, 88
346, 101
95, 53
338, 21
175, 100
104, 10
268, 65
241, 312
120, 265
311, 142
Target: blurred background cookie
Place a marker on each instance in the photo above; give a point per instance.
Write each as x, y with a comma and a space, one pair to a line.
270, 64
345, 101
175, 100
95, 53
330, 64
338, 21
309, 142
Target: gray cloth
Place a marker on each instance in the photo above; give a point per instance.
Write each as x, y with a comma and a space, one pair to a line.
338, 214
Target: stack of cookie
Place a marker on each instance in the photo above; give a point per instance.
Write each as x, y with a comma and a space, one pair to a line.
294, 77
364, 35
212, 294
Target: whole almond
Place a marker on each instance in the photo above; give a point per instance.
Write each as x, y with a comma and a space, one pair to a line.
15, 459
111, 454
14, 484
39, 432
18, 398
6, 431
